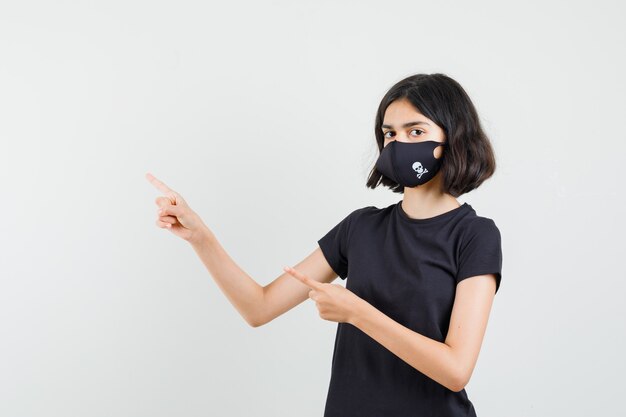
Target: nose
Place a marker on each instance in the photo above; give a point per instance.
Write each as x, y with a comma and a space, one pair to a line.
401, 138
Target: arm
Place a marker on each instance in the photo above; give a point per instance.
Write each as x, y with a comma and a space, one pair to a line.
450, 363
284, 293
245, 294
258, 305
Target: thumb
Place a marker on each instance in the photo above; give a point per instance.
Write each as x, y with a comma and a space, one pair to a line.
172, 210
177, 199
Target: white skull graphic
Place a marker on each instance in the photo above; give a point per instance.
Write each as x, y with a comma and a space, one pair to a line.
419, 168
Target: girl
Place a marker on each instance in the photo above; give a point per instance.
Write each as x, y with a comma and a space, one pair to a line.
410, 321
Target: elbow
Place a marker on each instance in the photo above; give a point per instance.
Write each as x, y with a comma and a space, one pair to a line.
459, 374
255, 322
457, 387
459, 382
258, 316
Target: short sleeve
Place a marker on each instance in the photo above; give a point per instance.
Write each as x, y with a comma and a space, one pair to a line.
481, 252
334, 245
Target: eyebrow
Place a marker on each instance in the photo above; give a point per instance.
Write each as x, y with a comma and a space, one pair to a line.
408, 124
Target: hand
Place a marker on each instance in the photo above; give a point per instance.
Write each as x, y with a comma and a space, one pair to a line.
334, 302
174, 214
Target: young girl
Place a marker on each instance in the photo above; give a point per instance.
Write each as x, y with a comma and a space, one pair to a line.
410, 322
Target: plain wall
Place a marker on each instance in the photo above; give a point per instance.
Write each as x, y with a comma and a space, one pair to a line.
261, 114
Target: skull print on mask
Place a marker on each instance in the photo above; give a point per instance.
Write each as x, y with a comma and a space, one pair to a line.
419, 168
410, 164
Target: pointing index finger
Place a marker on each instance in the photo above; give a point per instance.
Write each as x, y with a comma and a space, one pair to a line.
161, 187
303, 278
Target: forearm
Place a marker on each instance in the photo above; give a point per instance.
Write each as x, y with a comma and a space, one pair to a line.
245, 294
431, 357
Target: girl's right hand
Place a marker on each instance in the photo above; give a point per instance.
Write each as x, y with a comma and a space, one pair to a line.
175, 214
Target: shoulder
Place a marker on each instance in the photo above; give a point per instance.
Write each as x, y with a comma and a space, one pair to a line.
348, 220
363, 218
481, 224
356, 215
370, 215
367, 211
480, 228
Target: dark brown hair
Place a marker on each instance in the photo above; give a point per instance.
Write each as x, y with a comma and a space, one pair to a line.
468, 160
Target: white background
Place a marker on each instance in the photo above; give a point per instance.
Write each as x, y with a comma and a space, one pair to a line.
261, 115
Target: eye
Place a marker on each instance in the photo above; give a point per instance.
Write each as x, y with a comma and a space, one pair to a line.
385, 134
418, 130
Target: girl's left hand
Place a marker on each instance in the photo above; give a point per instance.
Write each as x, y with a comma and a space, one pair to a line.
334, 302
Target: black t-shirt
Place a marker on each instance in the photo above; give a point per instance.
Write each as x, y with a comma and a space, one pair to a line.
408, 269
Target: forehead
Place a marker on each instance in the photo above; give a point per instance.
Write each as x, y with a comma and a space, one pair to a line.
402, 110
402, 114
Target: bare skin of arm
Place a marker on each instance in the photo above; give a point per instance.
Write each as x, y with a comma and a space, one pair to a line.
258, 304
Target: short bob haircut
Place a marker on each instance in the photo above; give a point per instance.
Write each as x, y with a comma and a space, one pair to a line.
468, 160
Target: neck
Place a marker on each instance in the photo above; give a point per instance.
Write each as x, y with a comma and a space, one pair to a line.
427, 200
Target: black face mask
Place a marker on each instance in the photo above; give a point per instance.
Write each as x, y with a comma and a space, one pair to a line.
409, 164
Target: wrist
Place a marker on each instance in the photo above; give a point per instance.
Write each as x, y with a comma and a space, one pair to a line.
200, 237
359, 308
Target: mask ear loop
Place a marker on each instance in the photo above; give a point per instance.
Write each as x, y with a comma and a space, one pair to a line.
445, 144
